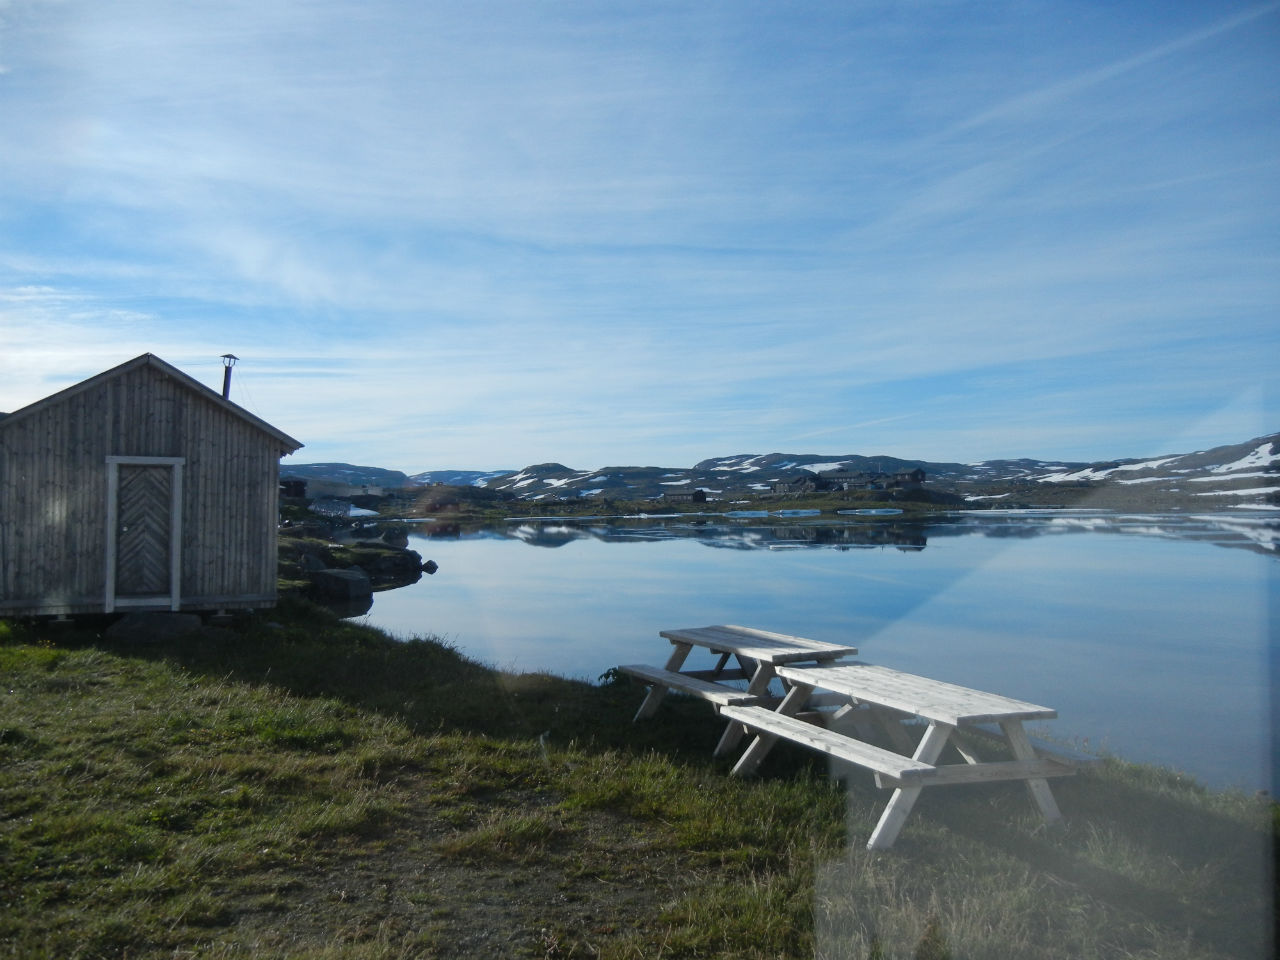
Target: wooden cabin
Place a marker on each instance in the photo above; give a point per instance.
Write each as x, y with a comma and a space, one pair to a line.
138, 489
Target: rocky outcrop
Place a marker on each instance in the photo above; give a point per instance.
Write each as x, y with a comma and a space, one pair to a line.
343, 571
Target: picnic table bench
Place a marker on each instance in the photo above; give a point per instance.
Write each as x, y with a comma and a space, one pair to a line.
757, 654
869, 700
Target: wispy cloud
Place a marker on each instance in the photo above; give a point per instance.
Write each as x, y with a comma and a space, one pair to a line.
488, 236
1036, 103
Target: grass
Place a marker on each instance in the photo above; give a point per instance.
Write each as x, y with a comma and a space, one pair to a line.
297, 786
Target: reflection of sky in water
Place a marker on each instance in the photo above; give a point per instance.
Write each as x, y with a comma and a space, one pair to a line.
1155, 649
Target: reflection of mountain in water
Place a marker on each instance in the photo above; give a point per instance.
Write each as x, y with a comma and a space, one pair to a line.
1258, 533
717, 532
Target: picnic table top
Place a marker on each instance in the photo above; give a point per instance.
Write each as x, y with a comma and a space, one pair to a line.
759, 645
931, 699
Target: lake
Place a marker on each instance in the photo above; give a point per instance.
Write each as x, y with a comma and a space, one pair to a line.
1152, 636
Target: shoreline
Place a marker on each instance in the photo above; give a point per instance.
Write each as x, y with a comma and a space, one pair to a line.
278, 784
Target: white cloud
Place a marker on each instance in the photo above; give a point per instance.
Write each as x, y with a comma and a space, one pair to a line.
604, 234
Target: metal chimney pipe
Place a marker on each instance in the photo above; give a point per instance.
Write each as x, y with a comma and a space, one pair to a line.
228, 361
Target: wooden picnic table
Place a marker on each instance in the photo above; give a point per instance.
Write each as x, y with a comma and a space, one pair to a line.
869, 700
880, 698
757, 653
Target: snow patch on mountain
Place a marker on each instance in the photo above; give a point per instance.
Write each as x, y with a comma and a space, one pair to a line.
1248, 492
1261, 456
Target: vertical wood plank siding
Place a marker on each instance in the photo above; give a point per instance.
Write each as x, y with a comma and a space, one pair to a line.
53, 489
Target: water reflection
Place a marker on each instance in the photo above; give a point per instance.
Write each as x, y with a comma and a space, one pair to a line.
1260, 533
1148, 634
728, 534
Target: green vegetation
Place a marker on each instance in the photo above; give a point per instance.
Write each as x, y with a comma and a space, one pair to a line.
441, 500
296, 786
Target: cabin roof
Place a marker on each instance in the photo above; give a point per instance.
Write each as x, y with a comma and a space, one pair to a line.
151, 360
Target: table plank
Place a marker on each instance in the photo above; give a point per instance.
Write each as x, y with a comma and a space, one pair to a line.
834, 744
931, 699
705, 689
759, 645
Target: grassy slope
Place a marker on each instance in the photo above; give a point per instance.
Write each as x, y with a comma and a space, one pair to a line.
295, 786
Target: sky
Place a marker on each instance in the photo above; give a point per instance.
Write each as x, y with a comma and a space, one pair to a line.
497, 233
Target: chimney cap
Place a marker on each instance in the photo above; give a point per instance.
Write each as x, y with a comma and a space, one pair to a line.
229, 359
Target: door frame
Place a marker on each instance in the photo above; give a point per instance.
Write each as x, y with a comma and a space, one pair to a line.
175, 464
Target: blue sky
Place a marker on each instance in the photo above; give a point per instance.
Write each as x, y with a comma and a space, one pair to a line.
490, 234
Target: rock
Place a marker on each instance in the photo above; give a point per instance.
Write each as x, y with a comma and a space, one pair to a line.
349, 584
430, 566
396, 537
153, 627
310, 563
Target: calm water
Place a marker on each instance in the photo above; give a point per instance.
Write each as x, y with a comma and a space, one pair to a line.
1153, 637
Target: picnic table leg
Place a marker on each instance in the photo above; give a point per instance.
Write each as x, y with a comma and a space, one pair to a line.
758, 686
653, 698
1038, 788
850, 715
904, 798
763, 743
967, 754
891, 723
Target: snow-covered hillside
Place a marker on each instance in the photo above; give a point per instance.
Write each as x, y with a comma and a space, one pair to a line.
1241, 474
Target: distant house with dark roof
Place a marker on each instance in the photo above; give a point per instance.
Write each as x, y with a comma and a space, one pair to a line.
686, 496
830, 480
138, 489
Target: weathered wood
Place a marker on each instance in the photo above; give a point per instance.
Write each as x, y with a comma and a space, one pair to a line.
653, 699
718, 674
759, 686
671, 680
817, 738
931, 699
791, 704
904, 797
949, 774
758, 645
891, 723
1044, 748
1038, 787
756, 652
889, 695
54, 489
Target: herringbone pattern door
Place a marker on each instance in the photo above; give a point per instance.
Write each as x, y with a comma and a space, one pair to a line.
142, 536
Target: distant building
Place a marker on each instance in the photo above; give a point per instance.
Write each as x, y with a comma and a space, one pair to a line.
852, 480
320, 487
834, 480
804, 483
138, 489
690, 496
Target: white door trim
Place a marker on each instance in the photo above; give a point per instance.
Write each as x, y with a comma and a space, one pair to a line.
174, 599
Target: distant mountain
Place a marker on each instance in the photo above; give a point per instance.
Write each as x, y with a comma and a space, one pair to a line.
459, 478
1232, 472
1232, 475
1257, 459
346, 473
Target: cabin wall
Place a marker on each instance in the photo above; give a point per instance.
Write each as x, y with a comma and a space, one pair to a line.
53, 495
52, 508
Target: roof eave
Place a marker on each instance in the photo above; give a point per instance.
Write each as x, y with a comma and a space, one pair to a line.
288, 444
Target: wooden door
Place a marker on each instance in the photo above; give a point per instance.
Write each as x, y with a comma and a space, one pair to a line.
144, 532
143, 518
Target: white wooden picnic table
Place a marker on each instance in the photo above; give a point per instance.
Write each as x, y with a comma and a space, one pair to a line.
880, 696
758, 654
868, 699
